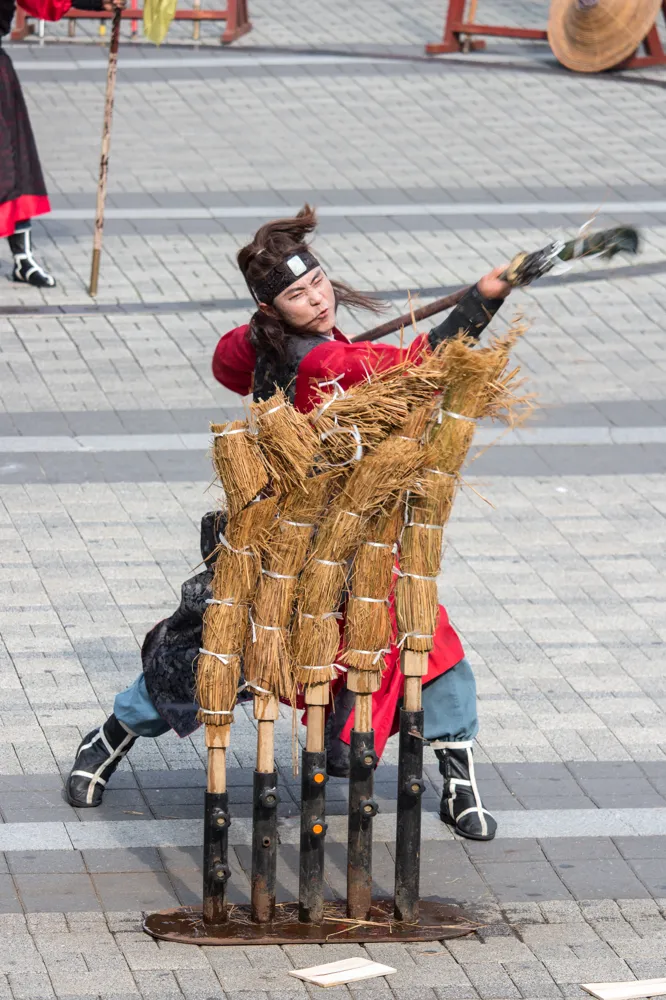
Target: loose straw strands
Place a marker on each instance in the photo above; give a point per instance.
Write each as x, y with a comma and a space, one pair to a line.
287, 441
238, 464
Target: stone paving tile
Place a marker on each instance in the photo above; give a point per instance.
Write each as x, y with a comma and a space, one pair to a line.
145, 890
530, 880
47, 862
119, 860
49, 893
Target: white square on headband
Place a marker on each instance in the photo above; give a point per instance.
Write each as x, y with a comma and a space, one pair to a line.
296, 266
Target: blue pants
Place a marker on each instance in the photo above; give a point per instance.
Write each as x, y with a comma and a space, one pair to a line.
449, 707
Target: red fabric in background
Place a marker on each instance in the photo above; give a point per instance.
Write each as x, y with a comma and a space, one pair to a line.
233, 366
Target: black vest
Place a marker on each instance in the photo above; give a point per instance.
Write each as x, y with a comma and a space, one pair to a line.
270, 373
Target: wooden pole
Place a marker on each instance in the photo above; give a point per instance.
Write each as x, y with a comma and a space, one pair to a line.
392, 325
111, 74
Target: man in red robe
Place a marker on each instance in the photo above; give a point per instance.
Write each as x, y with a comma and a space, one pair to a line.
292, 342
22, 188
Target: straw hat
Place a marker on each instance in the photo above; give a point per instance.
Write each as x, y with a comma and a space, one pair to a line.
590, 36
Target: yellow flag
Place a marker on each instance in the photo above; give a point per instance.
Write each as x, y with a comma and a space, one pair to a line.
157, 17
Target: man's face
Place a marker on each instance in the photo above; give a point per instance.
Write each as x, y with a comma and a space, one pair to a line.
309, 304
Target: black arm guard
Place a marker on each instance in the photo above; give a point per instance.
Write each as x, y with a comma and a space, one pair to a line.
471, 316
88, 4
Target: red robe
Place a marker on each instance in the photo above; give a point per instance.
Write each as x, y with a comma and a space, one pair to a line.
233, 366
22, 190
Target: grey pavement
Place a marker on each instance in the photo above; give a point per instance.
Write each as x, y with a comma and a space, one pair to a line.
428, 172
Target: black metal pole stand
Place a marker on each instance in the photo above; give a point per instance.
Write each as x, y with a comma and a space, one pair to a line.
264, 814
414, 666
408, 825
313, 808
358, 919
313, 836
216, 828
362, 806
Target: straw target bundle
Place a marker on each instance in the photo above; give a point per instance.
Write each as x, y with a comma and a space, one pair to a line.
287, 441
368, 627
238, 463
479, 386
235, 576
373, 487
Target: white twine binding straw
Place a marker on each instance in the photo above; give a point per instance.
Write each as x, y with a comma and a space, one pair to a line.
228, 601
438, 472
414, 635
329, 562
384, 545
221, 434
266, 628
327, 666
457, 416
296, 524
355, 433
225, 658
209, 711
255, 687
273, 409
377, 653
278, 576
238, 552
369, 600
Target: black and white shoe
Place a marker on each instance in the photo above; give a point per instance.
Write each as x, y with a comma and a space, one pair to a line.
98, 756
26, 268
461, 806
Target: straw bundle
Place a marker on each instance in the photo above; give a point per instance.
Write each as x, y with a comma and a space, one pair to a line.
286, 547
288, 442
238, 555
368, 627
225, 624
238, 464
363, 416
267, 660
479, 386
315, 639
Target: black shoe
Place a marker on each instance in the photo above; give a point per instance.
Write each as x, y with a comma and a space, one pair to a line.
461, 806
98, 756
26, 268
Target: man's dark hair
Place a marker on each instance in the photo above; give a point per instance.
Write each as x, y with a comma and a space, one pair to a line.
273, 244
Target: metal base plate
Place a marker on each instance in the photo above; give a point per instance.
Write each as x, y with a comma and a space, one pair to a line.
185, 925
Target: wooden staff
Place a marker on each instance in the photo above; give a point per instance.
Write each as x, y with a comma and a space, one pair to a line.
439, 305
111, 74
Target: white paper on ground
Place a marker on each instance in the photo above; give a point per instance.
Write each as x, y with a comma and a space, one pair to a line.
348, 970
633, 990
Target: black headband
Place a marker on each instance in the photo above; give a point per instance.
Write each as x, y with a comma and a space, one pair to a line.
283, 275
